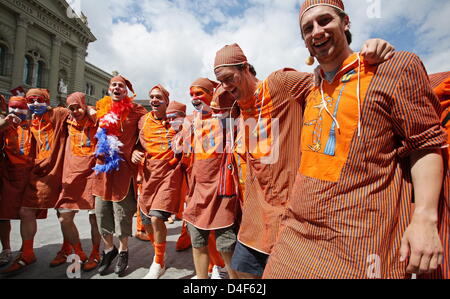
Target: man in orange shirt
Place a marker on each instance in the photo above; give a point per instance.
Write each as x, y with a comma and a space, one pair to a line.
162, 175
176, 113
206, 212
271, 112
370, 135
78, 179
15, 171
184, 240
115, 183
44, 186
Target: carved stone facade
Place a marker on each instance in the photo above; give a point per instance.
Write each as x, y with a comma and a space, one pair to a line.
43, 44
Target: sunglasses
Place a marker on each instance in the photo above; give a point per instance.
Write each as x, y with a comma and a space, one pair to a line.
33, 99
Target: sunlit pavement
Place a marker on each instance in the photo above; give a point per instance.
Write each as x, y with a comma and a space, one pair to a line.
48, 242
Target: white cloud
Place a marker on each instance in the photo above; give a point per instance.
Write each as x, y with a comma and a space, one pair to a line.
174, 42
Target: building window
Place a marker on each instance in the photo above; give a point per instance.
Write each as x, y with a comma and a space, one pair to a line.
89, 89
34, 69
39, 74
28, 71
2, 60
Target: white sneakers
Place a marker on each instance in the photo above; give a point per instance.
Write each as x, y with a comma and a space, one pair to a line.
219, 273
156, 271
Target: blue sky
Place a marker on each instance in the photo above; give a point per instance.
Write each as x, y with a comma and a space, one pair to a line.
173, 42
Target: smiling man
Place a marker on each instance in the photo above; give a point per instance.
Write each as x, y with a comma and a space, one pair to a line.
115, 184
206, 213
44, 186
162, 176
271, 111
370, 142
201, 94
78, 181
15, 171
268, 184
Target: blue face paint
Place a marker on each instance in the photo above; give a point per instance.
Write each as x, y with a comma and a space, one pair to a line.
38, 110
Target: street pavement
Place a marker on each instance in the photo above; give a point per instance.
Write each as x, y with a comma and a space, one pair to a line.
49, 238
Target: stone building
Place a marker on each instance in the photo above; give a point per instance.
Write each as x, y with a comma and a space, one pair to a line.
43, 43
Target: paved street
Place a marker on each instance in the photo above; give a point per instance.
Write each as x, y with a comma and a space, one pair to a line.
49, 238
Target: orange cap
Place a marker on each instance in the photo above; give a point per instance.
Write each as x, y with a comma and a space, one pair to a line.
164, 91
125, 81
308, 4
175, 107
39, 92
230, 55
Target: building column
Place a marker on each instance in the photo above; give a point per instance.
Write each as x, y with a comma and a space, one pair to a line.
19, 51
79, 65
54, 68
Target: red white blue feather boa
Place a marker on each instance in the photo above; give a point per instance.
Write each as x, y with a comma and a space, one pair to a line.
111, 115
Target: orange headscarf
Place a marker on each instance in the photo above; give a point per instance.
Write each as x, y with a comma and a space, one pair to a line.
308, 4
164, 91
80, 99
125, 81
18, 102
176, 107
230, 55
207, 86
77, 98
223, 100
39, 92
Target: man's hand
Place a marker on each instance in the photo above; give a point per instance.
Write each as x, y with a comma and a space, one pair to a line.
12, 119
376, 51
421, 243
137, 157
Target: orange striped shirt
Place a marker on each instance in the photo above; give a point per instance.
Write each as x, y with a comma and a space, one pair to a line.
240, 157
272, 140
351, 226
